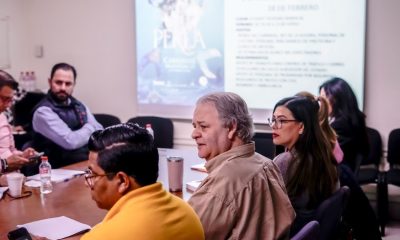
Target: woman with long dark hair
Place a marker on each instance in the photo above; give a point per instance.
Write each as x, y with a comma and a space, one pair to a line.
349, 124
346, 119
308, 165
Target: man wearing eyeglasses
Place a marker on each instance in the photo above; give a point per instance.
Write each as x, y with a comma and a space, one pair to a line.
10, 158
62, 124
122, 177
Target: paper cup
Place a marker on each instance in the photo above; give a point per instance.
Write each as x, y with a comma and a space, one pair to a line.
14, 181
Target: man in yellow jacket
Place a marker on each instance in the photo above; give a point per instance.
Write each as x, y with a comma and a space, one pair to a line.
122, 175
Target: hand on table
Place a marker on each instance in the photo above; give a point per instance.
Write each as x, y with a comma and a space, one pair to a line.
16, 161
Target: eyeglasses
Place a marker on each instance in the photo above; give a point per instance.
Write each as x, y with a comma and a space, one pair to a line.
6, 99
277, 122
89, 177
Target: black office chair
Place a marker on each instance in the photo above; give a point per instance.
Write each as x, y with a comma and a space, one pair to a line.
106, 120
393, 157
163, 129
310, 231
368, 172
23, 114
23, 109
329, 213
264, 144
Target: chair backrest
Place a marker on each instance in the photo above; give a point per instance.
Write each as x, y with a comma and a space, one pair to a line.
393, 155
106, 119
369, 175
23, 109
310, 231
264, 144
163, 129
329, 213
375, 151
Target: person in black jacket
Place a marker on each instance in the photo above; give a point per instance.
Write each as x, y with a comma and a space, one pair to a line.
349, 123
346, 119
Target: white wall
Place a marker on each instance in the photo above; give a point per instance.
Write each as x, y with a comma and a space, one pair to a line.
97, 36
383, 66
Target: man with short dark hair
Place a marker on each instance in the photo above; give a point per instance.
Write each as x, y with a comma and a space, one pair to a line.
122, 175
10, 158
243, 196
62, 124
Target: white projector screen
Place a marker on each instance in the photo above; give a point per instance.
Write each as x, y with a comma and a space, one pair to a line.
264, 50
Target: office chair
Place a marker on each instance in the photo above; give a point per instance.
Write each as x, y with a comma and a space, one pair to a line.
23, 114
106, 120
23, 109
163, 129
368, 172
264, 144
329, 213
310, 231
393, 157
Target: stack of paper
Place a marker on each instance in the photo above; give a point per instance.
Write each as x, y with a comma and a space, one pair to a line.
56, 228
193, 185
199, 167
59, 175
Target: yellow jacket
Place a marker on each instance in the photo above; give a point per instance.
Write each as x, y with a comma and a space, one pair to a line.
148, 213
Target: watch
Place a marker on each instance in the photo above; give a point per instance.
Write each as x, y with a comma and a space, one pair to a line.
4, 165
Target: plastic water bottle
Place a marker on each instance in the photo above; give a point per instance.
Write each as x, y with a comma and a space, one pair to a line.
150, 130
45, 176
22, 81
32, 82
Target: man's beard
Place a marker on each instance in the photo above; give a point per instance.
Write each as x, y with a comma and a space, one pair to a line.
60, 97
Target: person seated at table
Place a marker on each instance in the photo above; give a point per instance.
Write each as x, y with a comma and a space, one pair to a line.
308, 166
122, 176
61, 123
10, 158
323, 118
243, 196
347, 120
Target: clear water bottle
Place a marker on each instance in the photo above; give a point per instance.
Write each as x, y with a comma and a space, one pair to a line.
150, 129
22, 81
45, 176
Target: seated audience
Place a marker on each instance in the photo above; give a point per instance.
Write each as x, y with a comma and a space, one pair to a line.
62, 125
308, 166
10, 158
346, 119
243, 196
122, 177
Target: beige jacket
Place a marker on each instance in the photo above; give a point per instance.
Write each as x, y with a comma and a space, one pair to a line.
243, 197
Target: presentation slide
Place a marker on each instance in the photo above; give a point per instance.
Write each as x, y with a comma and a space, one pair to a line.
263, 50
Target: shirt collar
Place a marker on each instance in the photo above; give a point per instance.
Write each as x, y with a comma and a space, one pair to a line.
242, 150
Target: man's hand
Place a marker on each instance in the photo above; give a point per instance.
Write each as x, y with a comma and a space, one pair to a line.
3, 180
29, 152
16, 162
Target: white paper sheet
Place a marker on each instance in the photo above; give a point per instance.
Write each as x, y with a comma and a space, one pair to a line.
2, 191
199, 167
59, 175
55, 228
193, 185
